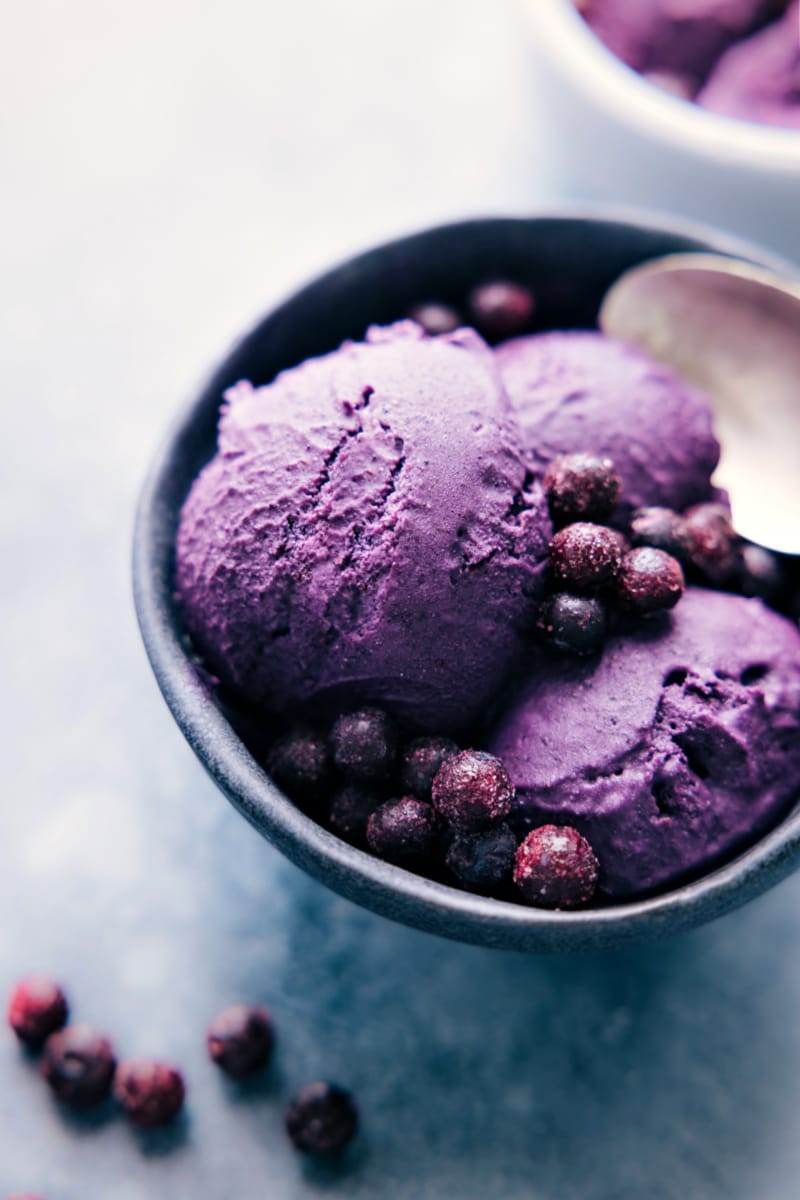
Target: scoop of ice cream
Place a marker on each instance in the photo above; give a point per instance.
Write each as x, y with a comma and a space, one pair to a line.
679, 37
671, 752
367, 533
581, 391
759, 79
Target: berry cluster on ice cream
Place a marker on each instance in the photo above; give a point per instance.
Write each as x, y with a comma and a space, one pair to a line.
740, 58
490, 609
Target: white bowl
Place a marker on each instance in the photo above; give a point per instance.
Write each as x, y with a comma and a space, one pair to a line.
612, 135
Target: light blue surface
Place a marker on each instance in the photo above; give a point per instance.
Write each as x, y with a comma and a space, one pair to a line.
166, 175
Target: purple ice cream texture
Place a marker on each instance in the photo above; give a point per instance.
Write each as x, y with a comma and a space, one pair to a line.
671, 751
579, 391
368, 532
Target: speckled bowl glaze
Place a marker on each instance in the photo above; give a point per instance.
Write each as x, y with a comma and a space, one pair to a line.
570, 260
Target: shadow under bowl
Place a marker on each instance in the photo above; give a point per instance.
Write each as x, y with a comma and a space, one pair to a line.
569, 261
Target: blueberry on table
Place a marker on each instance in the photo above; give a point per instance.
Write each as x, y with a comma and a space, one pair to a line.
37, 1008
649, 581
403, 831
555, 867
78, 1065
364, 745
483, 862
240, 1039
321, 1119
151, 1093
436, 318
575, 624
585, 556
420, 762
501, 309
581, 487
472, 791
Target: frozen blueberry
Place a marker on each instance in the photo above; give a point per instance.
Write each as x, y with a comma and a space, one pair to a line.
38, 1007
350, 809
649, 581
299, 762
78, 1065
483, 862
501, 309
576, 624
403, 831
760, 572
584, 556
663, 528
321, 1119
151, 1093
421, 760
581, 487
472, 791
714, 550
436, 318
365, 745
240, 1039
556, 868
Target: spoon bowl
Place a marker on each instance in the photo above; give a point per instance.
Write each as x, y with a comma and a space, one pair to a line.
732, 328
570, 260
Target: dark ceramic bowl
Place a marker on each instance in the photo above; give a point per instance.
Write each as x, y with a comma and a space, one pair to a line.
570, 261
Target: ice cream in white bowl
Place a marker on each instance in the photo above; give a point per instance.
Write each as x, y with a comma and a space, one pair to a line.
613, 135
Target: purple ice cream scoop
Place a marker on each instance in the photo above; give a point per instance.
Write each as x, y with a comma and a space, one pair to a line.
680, 38
582, 391
671, 752
368, 533
759, 79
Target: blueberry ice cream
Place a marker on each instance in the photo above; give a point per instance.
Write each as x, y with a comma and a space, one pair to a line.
367, 532
670, 752
736, 57
579, 391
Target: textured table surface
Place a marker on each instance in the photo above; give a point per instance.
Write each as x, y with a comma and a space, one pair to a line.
167, 171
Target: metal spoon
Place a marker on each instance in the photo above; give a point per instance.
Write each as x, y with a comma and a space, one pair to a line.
733, 329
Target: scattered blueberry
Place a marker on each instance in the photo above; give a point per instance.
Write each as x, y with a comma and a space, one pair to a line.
240, 1039
299, 762
649, 581
472, 791
350, 809
663, 528
403, 831
555, 867
501, 309
714, 546
760, 572
584, 556
38, 1007
483, 862
78, 1065
151, 1093
421, 760
576, 624
581, 487
365, 745
321, 1119
436, 318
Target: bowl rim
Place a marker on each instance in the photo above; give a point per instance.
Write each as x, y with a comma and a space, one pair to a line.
379, 886
607, 82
